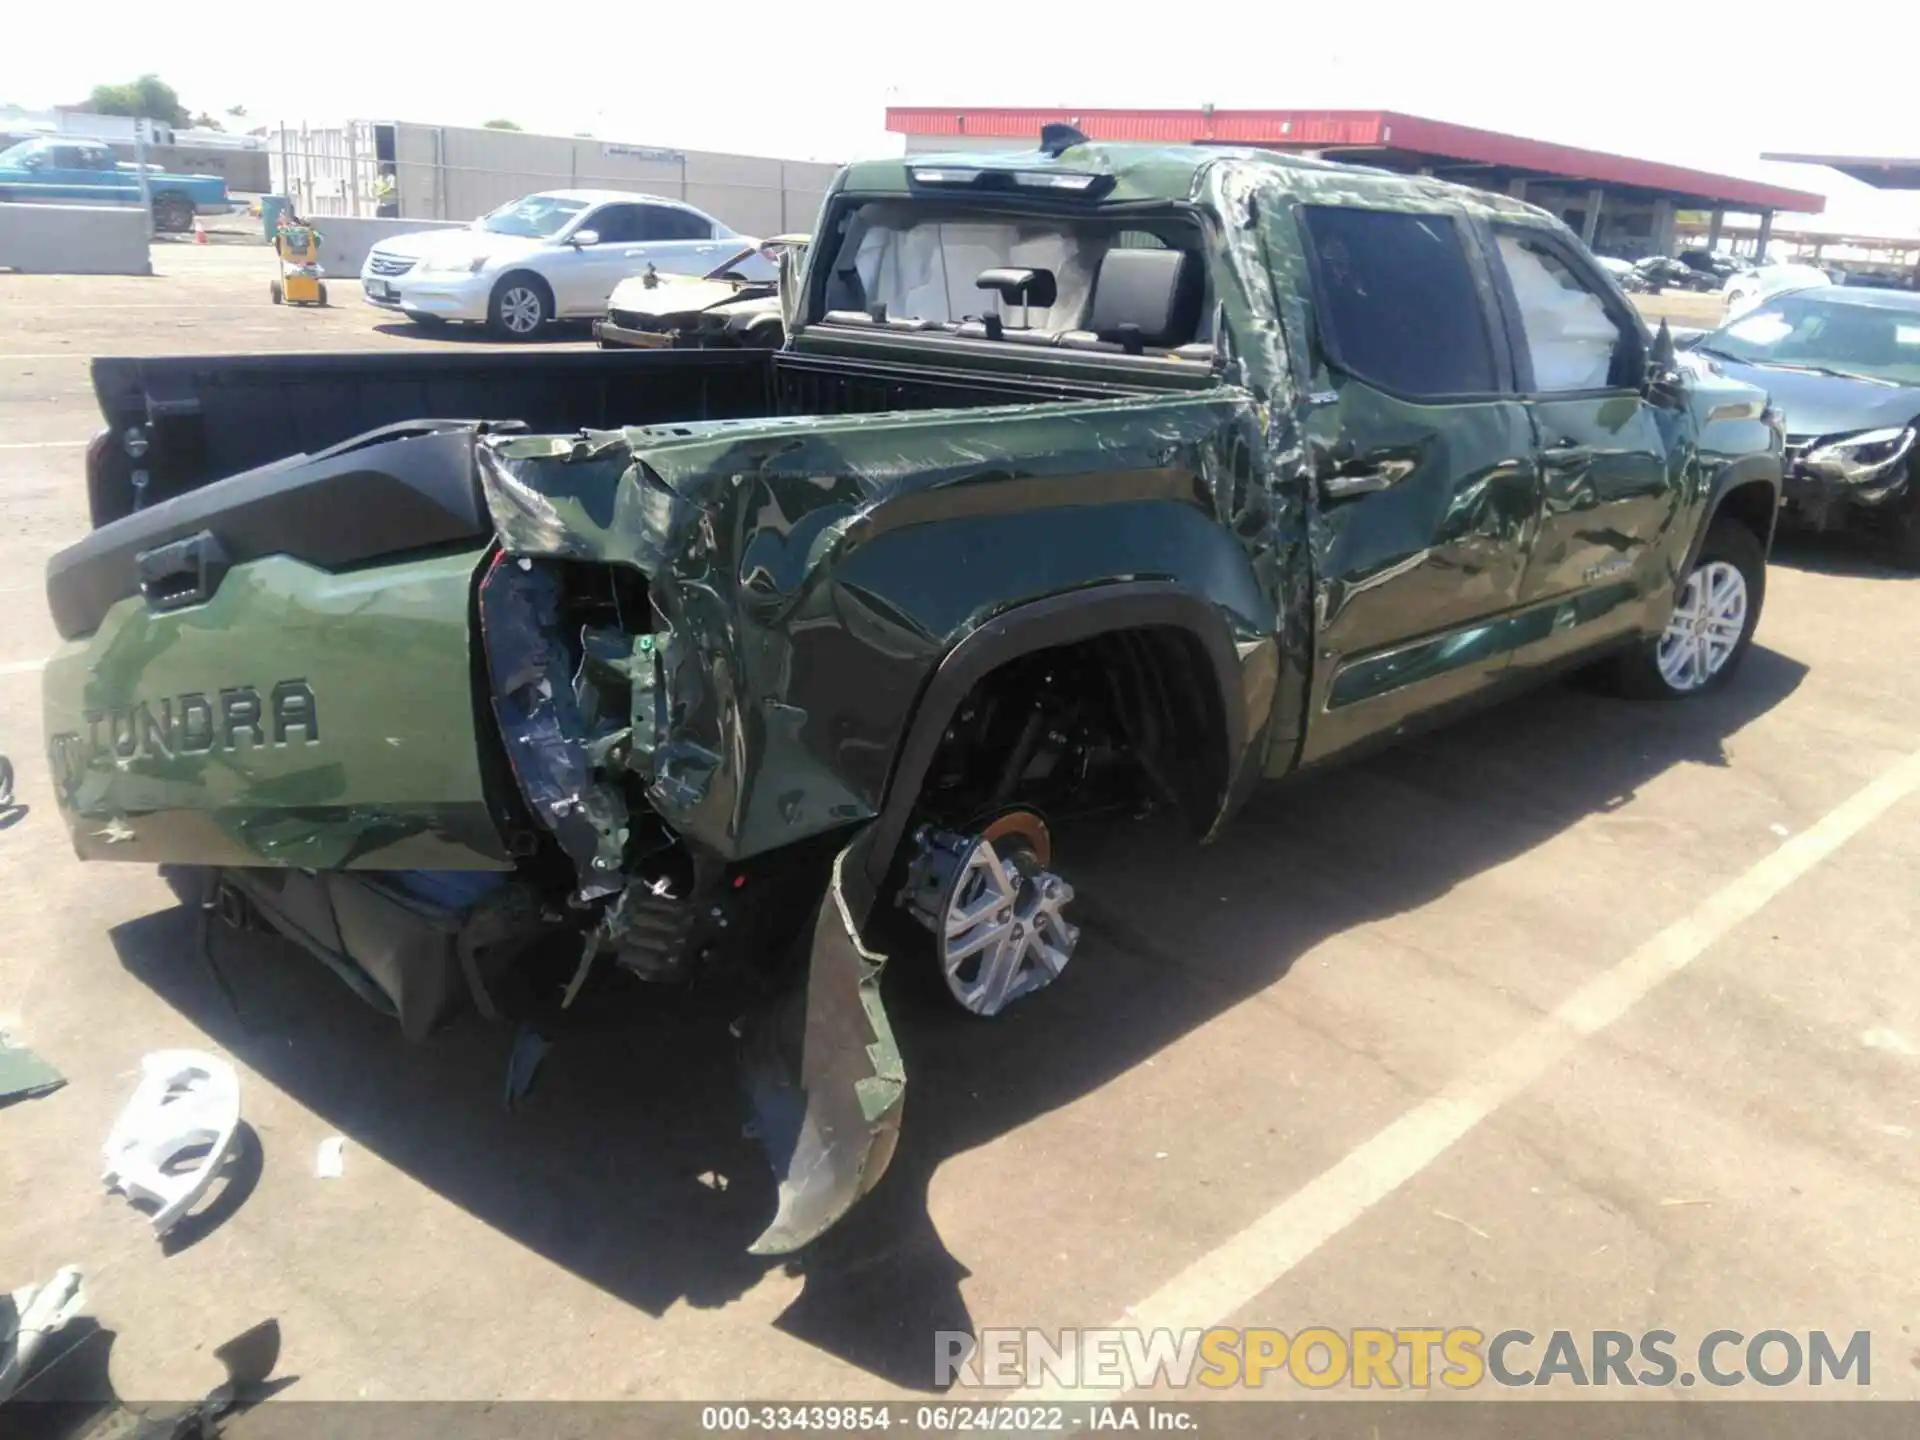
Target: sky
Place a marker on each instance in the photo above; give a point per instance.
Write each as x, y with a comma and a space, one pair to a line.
1707, 88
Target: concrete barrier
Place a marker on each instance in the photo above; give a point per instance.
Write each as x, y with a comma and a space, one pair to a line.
344, 241
74, 240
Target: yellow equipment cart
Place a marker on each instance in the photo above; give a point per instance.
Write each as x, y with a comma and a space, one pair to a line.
298, 249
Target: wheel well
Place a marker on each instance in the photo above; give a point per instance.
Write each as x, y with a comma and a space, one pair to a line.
1042, 726
539, 281
1753, 505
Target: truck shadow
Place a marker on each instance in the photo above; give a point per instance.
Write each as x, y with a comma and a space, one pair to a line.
560, 332
629, 1166
1852, 554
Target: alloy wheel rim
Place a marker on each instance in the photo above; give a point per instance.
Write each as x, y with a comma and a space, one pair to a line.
1003, 933
520, 310
1706, 627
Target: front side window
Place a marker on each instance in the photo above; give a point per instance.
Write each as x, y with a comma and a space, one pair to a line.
617, 224
1571, 338
1397, 302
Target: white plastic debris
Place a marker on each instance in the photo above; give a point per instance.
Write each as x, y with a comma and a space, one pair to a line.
175, 1134
330, 1161
37, 1311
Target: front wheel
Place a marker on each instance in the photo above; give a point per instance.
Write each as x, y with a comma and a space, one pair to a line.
521, 306
1712, 624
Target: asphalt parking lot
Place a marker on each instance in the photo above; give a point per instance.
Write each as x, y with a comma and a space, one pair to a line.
1576, 1015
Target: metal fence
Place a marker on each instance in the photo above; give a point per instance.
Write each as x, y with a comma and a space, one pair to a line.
442, 172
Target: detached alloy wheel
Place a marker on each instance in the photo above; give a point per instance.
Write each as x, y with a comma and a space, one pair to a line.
1712, 624
520, 307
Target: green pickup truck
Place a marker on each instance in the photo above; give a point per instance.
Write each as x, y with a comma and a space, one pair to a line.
1088, 476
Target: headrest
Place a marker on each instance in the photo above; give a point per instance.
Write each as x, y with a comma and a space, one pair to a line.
1154, 293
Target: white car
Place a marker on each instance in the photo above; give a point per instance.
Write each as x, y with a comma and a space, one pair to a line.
1748, 290
552, 256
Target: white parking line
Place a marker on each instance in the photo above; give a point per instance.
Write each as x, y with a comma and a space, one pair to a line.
21, 667
1211, 1289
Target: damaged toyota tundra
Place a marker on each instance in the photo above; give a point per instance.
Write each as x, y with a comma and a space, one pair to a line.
1087, 476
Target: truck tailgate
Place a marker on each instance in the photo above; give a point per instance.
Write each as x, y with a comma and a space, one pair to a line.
296, 717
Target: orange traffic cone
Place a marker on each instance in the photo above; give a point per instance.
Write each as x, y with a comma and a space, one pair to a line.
199, 232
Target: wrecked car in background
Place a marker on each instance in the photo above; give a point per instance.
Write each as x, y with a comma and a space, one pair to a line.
736, 303
1842, 364
1089, 476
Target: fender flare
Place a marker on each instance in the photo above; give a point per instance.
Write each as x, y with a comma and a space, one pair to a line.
1040, 625
1748, 470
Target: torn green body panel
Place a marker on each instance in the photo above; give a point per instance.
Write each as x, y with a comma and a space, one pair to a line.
806, 575
297, 718
824, 1072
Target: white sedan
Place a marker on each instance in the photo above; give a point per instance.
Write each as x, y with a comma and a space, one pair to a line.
552, 256
1746, 291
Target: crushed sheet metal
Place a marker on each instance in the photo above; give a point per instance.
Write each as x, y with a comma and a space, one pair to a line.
28, 1316
548, 741
187, 1106
831, 1119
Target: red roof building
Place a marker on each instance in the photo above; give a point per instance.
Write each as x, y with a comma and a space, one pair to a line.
1620, 204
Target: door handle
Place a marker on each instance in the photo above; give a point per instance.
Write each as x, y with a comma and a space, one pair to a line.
1565, 455
1345, 474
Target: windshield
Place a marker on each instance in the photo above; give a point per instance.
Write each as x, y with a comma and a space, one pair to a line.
1812, 331
14, 154
537, 217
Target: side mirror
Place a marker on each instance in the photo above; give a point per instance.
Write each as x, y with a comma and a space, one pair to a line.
584, 237
1662, 372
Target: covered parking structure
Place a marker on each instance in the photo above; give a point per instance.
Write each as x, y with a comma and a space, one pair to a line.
1883, 172
1619, 205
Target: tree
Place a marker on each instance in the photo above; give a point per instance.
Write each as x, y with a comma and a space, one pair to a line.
237, 112
204, 121
148, 98
499, 125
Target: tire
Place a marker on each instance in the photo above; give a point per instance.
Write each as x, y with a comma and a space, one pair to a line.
1905, 536
322, 301
278, 294
172, 213
520, 308
1698, 656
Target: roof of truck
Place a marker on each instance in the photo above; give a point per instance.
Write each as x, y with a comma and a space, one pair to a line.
1174, 172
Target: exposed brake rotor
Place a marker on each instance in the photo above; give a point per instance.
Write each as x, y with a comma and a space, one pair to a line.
995, 910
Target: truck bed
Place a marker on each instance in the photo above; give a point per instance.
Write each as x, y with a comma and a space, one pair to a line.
197, 419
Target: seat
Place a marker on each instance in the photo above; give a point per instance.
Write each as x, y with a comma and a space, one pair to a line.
1147, 298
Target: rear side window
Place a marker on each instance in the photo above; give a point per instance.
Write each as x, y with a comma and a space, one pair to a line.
1397, 302
663, 222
